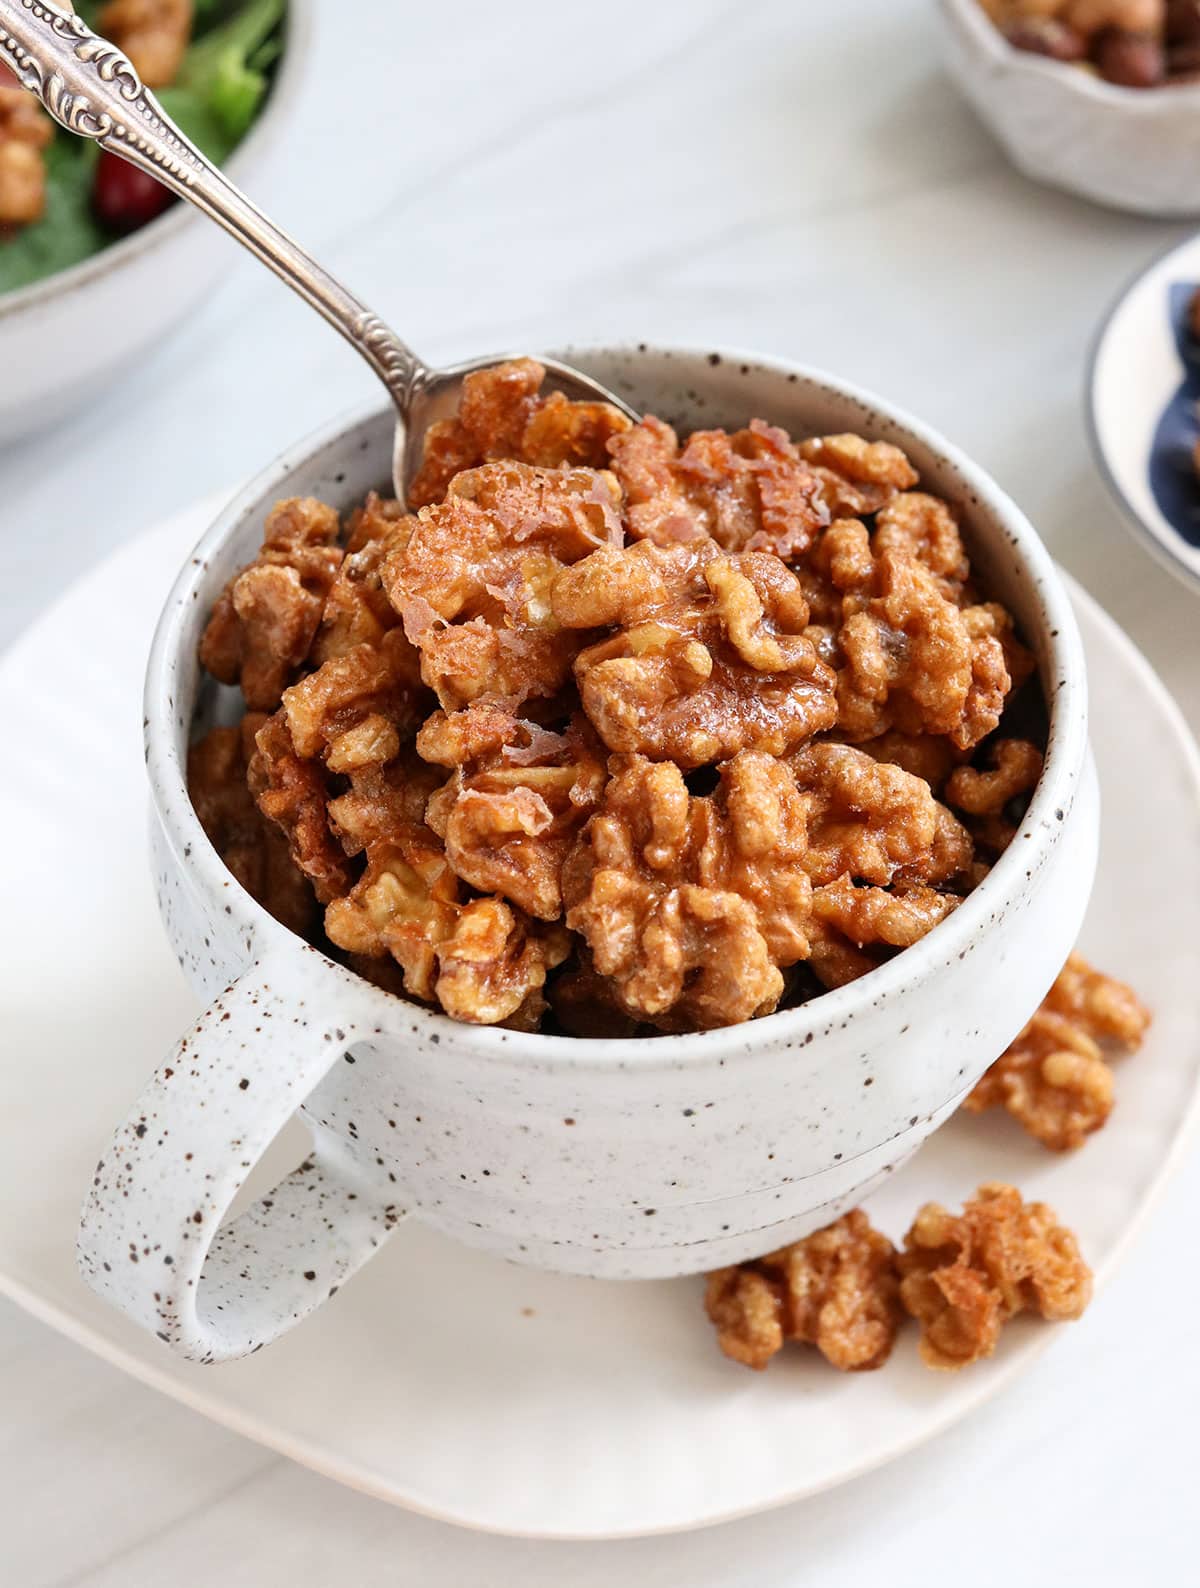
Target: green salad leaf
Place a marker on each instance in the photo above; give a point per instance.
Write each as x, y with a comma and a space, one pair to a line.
222, 69
67, 233
197, 120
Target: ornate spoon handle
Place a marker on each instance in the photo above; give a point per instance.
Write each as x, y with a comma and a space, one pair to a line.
93, 90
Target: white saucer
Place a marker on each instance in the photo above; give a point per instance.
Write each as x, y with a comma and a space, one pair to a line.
1143, 409
442, 1380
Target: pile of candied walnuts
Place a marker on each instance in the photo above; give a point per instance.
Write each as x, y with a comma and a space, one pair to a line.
611, 734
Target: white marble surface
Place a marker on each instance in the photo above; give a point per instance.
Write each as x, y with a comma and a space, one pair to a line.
799, 179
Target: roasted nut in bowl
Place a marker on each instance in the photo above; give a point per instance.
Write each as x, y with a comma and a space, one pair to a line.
1132, 148
116, 303
614, 1157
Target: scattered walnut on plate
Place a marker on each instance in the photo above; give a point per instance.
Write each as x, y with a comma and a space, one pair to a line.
846, 1289
963, 1276
616, 730
837, 1289
1054, 1078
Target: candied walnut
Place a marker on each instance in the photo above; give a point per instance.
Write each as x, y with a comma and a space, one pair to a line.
951, 860
482, 961
518, 795
501, 416
760, 849
357, 610
747, 1309
25, 132
387, 975
833, 959
840, 561
989, 618
292, 793
872, 821
690, 903
494, 408
965, 1276
405, 904
153, 33
749, 491
472, 577
562, 434
266, 618
709, 656
381, 799
357, 708
380, 518
875, 915
1054, 1079
493, 964
1015, 768
1105, 1007
857, 476
250, 846
925, 755
990, 677
926, 528
843, 556
836, 1289
915, 662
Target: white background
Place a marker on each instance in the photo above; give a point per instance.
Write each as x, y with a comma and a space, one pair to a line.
798, 178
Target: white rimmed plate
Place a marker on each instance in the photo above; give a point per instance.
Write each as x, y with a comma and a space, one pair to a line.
442, 1380
1143, 408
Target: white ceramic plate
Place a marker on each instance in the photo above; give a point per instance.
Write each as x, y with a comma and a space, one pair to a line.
443, 1380
1143, 405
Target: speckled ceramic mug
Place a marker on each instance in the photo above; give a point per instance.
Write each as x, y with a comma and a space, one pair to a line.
610, 1158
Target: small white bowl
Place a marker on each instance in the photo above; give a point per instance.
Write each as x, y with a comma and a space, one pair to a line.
1135, 149
64, 339
1143, 409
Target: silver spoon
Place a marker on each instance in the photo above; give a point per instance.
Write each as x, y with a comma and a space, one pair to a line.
92, 90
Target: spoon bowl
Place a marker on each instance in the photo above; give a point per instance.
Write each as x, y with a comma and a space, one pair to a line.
435, 396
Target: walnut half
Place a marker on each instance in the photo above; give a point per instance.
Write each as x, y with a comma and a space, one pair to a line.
964, 1276
836, 1289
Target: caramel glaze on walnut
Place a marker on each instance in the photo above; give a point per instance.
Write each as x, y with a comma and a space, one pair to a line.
615, 724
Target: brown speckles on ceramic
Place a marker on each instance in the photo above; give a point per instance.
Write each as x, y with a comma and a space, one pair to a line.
616, 1159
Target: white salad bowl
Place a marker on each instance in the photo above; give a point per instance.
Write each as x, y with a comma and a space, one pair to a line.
64, 339
614, 1158
1134, 149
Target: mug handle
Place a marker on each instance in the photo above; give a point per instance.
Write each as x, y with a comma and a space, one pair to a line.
154, 1239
